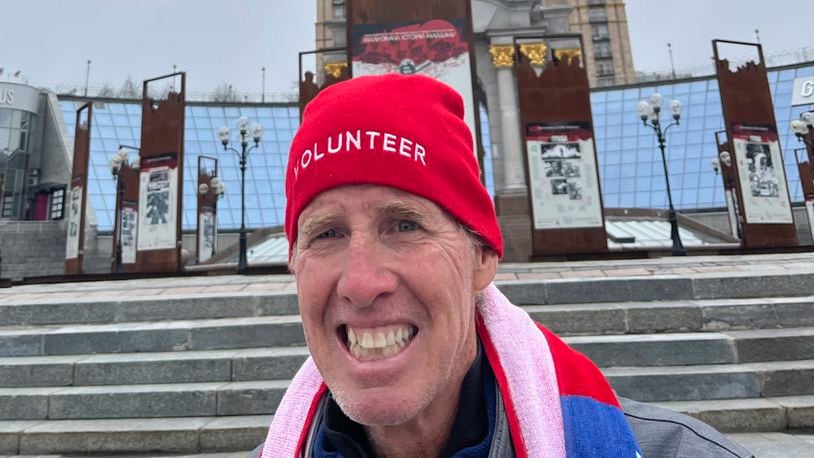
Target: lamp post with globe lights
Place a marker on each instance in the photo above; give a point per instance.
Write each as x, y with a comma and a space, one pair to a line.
650, 111
256, 134
723, 165
118, 163
803, 128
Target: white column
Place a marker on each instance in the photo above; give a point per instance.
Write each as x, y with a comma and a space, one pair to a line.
513, 177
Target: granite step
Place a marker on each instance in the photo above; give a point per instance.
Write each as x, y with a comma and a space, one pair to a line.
647, 384
699, 348
576, 319
131, 337
106, 304
675, 316
237, 365
723, 381
751, 415
777, 445
150, 437
41, 311
142, 401
141, 436
720, 285
668, 349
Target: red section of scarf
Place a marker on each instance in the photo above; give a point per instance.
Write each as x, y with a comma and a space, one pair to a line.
576, 374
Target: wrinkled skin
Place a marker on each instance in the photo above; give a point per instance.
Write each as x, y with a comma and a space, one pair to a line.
370, 256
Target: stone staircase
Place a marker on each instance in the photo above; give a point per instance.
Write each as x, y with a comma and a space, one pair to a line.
200, 365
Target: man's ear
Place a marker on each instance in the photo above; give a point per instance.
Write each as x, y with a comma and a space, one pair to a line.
292, 260
485, 268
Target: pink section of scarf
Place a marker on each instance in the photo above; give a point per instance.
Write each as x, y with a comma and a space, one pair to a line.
526, 361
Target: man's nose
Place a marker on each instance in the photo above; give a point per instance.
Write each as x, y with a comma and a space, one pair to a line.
365, 277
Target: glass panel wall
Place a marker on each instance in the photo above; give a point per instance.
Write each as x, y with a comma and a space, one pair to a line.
15, 129
629, 159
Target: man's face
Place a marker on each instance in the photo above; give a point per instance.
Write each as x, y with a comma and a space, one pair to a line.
386, 283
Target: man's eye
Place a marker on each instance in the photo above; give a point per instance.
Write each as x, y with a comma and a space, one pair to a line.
330, 233
407, 226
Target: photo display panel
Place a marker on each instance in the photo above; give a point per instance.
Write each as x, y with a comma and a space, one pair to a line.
762, 175
436, 48
158, 197
427, 37
562, 172
129, 235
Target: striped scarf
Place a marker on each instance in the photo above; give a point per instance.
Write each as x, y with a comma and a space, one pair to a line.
557, 402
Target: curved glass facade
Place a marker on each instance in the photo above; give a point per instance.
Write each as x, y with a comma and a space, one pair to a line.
15, 129
15, 133
630, 163
629, 160
119, 123
116, 123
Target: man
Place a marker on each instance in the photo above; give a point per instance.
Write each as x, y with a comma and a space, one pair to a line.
394, 243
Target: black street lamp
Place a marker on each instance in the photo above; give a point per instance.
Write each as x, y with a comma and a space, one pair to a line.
724, 159
256, 133
804, 130
121, 159
649, 111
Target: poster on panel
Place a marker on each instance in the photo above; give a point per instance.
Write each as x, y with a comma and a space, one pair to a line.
207, 242
436, 48
158, 203
74, 221
562, 173
762, 175
129, 232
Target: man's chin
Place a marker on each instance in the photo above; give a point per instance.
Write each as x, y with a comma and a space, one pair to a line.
370, 409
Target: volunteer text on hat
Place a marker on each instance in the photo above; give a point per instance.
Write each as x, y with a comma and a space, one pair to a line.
349, 141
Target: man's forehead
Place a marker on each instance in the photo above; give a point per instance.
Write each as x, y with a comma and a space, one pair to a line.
369, 200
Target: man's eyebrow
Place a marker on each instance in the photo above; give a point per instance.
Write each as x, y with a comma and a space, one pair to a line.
316, 223
403, 210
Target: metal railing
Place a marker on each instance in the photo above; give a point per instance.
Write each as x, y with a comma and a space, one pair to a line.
225, 94
229, 94
778, 59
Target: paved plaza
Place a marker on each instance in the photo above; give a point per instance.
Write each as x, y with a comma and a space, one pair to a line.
669, 267
737, 328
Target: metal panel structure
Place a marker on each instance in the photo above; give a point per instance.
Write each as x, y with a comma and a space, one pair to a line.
431, 37
333, 69
724, 161
125, 225
760, 179
561, 166
77, 202
631, 175
206, 233
161, 178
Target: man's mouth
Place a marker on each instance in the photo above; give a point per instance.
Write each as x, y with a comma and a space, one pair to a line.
368, 344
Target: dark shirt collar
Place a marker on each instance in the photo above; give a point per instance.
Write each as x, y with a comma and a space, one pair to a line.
339, 436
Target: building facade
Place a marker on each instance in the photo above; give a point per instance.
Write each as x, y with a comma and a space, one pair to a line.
39, 136
602, 24
630, 165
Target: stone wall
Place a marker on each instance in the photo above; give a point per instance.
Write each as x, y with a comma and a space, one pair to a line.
32, 248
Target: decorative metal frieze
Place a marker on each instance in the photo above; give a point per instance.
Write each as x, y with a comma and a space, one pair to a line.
566, 54
502, 55
534, 52
335, 69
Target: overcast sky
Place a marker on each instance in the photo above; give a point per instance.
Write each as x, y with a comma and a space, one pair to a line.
218, 41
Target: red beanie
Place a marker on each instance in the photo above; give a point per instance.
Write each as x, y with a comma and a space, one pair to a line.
405, 132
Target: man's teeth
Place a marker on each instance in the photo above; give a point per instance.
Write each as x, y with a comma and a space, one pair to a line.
380, 342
